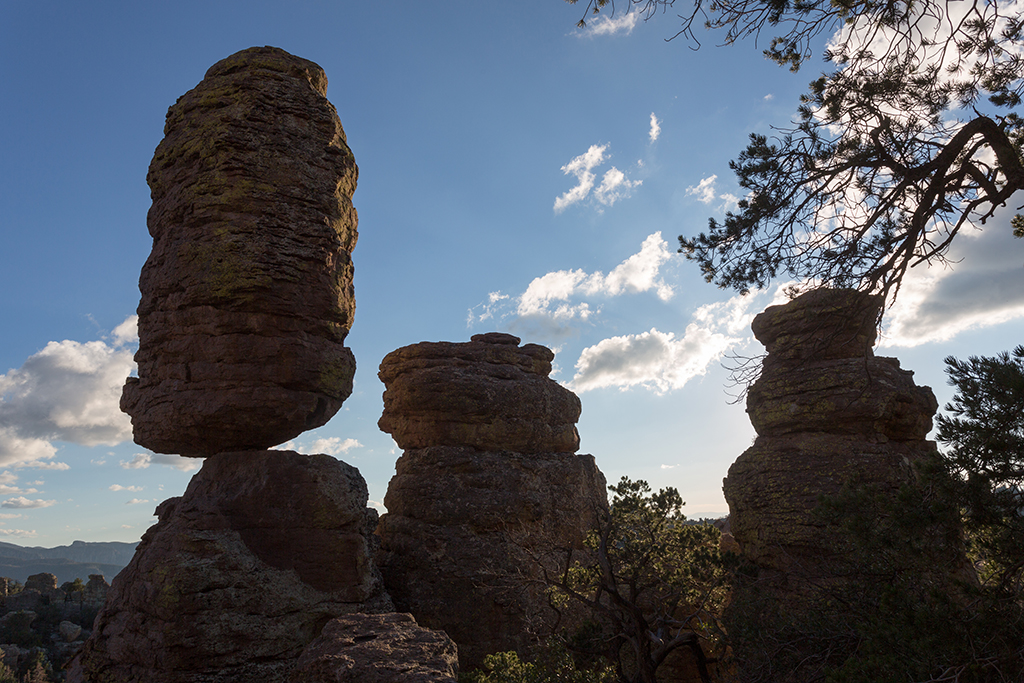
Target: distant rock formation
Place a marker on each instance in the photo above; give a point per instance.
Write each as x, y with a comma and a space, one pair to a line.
828, 413
377, 648
247, 295
239, 574
488, 485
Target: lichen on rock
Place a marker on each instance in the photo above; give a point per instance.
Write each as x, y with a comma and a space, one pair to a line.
247, 295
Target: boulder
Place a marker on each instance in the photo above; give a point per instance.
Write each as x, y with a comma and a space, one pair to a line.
247, 294
489, 394
472, 524
377, 648
239, 574
69, 631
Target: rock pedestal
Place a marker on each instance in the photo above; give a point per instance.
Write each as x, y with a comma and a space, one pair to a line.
247, 295
246, 302
488, 487
828, 413
240, 574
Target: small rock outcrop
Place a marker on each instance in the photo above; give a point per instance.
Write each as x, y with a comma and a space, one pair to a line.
828, 413
377, 648
489, 485
247, 295
240, 573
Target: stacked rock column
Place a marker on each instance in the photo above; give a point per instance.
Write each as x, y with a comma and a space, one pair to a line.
488, 489
246, 302
834, 423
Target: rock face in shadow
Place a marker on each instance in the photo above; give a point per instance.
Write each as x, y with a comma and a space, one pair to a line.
471, 522
487, 394
377, 648
247, 295
240, 573
828, 413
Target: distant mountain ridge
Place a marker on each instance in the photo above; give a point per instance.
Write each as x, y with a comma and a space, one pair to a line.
67, 562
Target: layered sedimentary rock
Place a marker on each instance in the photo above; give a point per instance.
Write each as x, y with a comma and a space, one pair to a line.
240, 574
247, 295
377, 648
488, 394
488, 487
828, 414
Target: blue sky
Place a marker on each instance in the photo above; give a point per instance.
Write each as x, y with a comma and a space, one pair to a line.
516, 174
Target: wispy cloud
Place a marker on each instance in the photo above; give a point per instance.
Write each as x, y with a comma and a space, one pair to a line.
68, 391
334, 445
605, 25
144, 460
17, 533
554, 299
136, 501
118, 487
706, 193
655, 131
22, 502
613, 187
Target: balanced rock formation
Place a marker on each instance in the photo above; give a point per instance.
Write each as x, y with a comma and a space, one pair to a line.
247, 295
829, 415
488, 489
246, 302
377, 648
240, 574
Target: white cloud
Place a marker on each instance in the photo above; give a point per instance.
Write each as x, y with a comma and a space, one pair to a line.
638, 273
138, 461
68, 391
604, 25
654, 359
7, 489
49, 465
11, 515
663, 362
981, 288
581, 167
118, 487
136, 501
614, 186
614, 183
331, 446
22, 502
655, 131
769, 97
704, 190
706, 193
17, 533
144, 460
127, 332
555, 301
